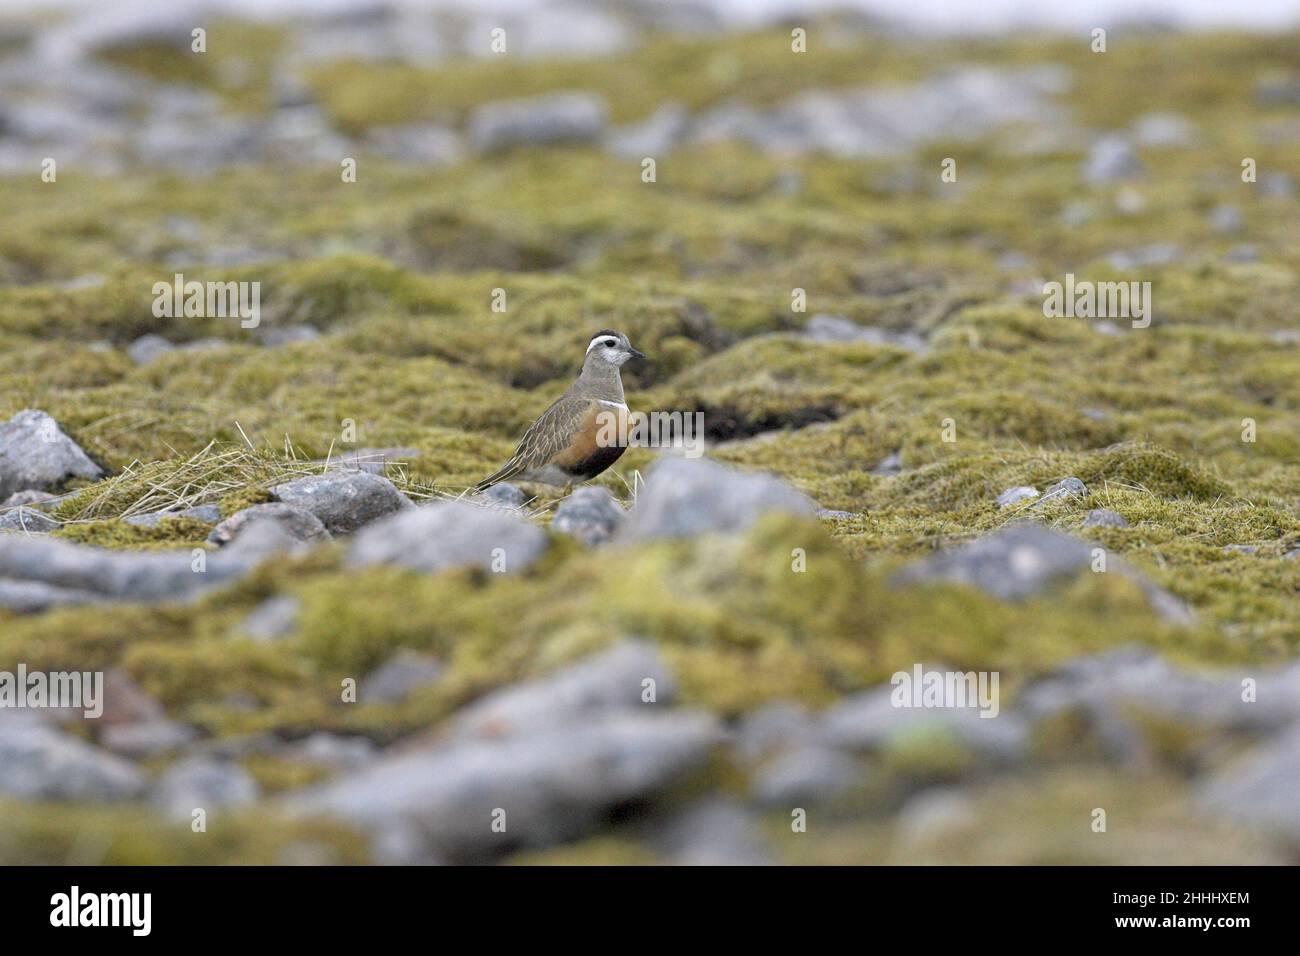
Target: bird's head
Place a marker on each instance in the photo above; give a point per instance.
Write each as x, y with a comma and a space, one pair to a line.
608, 347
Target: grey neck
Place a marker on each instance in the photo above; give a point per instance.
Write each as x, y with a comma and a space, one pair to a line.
602, 380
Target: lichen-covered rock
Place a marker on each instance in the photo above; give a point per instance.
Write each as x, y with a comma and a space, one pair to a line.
684, 497
36, 454
537, 121
344, 500
589, 514
298, 523
448, 534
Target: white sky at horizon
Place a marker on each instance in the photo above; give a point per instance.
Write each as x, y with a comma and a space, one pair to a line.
934, 15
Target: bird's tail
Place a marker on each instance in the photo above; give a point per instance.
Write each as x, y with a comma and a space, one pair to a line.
504, 473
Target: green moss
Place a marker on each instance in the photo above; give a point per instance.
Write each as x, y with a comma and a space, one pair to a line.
61, 835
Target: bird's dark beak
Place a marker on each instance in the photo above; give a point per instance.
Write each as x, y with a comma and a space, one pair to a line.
635, 353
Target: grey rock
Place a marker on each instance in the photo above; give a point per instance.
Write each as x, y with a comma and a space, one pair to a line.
26, 521
833, 515
1065, 489
1013, 261
934, 815
581, 693
148, 738
39, 762
1156, 254
298, 523
772, 728
343, 501
1134, 678
686, 497
505, 494
203, 783
449, 534
424, 144
31, 597
1260, 788
565, 29
806, 775
273, 336
36, 454
400, 676
713, 831
1024, 559
1225, 218
1105, 518
589, 514
553, 784
335, 751
63, 572
373, 460
1243, 252
258, 540
957, 105
658, 134
209, 513
1278, 88
836, 328
543, 120
1111, 159
1014, 496
891, 464
273, 619
29, 497
147, 348
1276, 184
869, 721
1164, 131
1241, 548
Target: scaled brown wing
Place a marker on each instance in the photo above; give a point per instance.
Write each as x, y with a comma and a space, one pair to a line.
547, 438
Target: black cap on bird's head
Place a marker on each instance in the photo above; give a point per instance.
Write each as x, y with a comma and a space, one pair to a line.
612, 347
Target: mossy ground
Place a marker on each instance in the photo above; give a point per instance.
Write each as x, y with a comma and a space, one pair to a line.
398, 271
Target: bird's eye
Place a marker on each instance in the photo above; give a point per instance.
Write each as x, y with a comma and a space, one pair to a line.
609, 344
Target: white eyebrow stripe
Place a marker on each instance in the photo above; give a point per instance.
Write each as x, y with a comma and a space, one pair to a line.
611, 404
596, 341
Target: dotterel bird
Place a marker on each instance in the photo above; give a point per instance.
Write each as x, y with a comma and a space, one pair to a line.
564, 445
